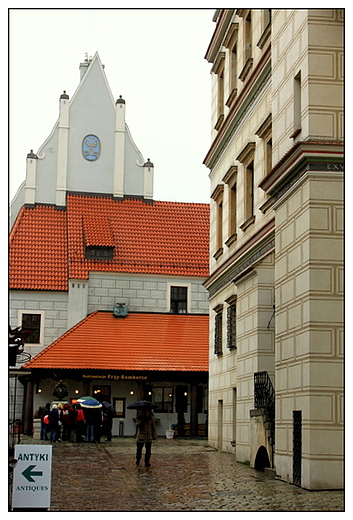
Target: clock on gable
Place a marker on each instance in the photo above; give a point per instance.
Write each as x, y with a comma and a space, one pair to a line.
91, 147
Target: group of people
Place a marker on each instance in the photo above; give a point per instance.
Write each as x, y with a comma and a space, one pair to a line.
89, 424
64, 422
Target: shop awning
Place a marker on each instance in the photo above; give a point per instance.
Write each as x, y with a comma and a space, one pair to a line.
139, 341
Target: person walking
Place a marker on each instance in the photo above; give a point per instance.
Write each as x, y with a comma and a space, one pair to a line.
146, 433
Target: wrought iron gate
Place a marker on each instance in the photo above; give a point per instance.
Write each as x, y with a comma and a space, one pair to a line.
297, 447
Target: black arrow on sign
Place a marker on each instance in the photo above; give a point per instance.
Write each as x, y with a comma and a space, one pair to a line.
28, 473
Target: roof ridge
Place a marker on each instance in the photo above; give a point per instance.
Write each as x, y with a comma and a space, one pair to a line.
135, 200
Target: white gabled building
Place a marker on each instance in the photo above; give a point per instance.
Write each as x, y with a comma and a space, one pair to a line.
86, 238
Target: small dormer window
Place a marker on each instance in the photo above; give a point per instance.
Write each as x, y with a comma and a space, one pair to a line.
99, 253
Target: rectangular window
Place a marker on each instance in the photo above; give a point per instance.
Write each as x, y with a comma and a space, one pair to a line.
230, 179
218, 333
218, 70
32, 322
230, 42
297, 105
265, 133
268, 155
179, 300
101, 392
234, 67
163, 396
233, 210
249, 190
232, 326
220, 94
248, 37
220, 225
217, 210
247, 157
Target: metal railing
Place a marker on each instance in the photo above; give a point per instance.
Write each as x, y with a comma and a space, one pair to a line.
264, 393
264, 397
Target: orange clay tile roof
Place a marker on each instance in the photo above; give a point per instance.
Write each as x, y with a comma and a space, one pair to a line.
38, 250
47, 245
157, 342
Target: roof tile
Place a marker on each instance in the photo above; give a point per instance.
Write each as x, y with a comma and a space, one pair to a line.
38, 250
140, 341
47, 245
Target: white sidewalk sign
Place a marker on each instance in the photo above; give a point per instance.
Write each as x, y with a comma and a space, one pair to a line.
32, 476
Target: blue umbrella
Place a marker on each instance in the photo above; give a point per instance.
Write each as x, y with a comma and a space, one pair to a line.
91, 403
84, 398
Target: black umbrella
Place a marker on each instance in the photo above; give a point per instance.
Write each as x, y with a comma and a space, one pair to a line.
142, 405
109, 407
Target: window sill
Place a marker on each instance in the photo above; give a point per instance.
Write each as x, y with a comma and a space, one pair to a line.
218, 253
247, 67
267, 205
219, 122
231, 98
295, 133
264, 37
248, 223
231, 240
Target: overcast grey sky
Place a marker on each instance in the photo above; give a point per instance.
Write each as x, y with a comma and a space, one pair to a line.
154, 58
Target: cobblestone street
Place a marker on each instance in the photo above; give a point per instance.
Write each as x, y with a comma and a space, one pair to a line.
185, 475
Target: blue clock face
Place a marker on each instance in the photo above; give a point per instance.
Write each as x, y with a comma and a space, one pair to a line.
91, 147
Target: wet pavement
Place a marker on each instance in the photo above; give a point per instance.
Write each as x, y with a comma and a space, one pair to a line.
185, 475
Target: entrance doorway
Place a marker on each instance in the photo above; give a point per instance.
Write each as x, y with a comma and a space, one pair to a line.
262, 460
297, 447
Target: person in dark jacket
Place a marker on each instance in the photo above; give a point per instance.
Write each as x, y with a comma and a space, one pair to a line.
80, 425
54, 423
146, 433
44, 427
93, 419
67, 418
108, 415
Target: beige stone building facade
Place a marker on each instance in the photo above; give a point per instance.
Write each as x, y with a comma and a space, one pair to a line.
276, 248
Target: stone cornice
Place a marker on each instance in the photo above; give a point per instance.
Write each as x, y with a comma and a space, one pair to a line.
296, 161
217, 38
258, 246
